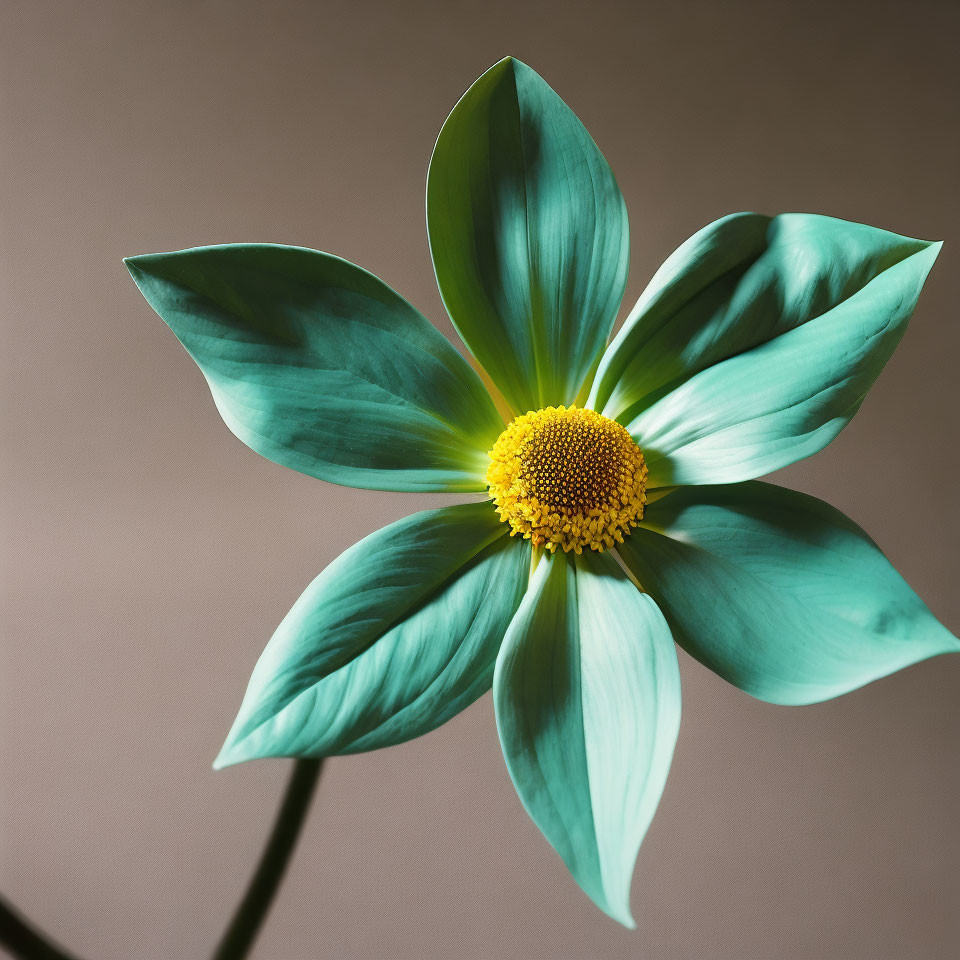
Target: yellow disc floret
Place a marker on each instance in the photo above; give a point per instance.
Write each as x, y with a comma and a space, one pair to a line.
567, 477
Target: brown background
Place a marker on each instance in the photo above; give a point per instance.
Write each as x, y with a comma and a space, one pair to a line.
149, 554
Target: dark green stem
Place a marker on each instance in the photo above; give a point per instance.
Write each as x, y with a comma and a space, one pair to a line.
22, 940
250, 914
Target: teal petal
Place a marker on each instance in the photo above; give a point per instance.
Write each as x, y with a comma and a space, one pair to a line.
318, 365
587, 696
529, 236
755, 343
683, 320
396, 636
779, 593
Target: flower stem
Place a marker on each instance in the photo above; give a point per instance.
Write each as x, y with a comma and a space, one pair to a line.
247, 919
22, 940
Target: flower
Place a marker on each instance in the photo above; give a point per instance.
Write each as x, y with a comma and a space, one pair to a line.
625, 511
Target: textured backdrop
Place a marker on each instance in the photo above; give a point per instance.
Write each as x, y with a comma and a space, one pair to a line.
149, 555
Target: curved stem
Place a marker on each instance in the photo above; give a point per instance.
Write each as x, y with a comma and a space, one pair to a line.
24, 941
253, 908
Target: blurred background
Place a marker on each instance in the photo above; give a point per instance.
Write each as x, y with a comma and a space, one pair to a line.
149, 555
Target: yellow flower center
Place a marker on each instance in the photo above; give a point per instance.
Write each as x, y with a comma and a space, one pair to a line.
567, 477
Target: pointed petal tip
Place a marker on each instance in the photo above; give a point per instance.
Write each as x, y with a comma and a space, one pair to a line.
503, 64
928, 256
139, 271
616, 905
227, 757
509, 63
138, 264
619, 912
